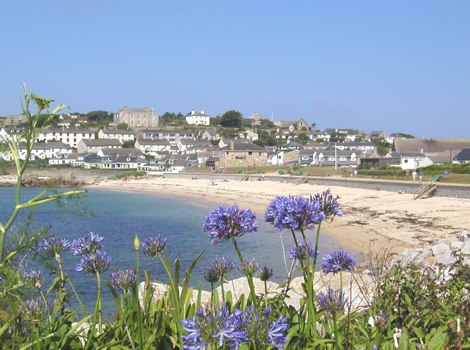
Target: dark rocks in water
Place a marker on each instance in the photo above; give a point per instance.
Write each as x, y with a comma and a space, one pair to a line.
55, 182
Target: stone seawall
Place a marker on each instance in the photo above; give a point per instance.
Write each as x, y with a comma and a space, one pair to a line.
443, 190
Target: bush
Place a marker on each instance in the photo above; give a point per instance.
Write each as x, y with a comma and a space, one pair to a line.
363, 166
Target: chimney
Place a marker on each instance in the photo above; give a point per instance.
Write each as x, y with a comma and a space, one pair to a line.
232, 145
193, 111
422, 150
125, 108
202, 111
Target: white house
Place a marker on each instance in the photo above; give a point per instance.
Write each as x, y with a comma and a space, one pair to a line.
411, 161
121, 135
43, 150
69, 136
152, 146
195, 118
85, 146
247, 134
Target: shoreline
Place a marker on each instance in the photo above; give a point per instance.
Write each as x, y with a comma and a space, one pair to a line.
373, 220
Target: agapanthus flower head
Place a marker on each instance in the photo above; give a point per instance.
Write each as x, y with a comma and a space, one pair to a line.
35, 276
328, 204
213, 327
53, 246
225, 222
123, 279
337, 261
87, 245
218, 268
332, 300
217, 328
152, 247
249, 267
260, 329
264, 274
35, 310
98, 262
293, 213
301, 253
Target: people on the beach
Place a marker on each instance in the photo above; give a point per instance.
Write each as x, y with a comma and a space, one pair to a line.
421, 174
414, 175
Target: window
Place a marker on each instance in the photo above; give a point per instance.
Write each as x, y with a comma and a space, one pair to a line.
331, 159
250, 153
343, 159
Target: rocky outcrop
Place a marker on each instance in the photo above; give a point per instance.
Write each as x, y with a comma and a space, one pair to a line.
66, 181
444, 253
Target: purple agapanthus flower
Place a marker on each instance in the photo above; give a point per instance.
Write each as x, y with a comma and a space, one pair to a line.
225, 222
98, 262
214, 328
218, 327
337, 261
53, 246
249, 267
293, 213
260, 329
264, 274
87, 245
35, 276
332, 300
329, 204
301, 253
123, 279
218, 268
35, 310
152, 247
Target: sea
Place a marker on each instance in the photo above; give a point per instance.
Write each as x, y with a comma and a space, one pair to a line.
118, 215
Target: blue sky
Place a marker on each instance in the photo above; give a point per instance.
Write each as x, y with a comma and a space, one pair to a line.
396, 66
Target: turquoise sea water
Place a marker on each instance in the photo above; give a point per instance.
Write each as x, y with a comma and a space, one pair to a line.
119, 215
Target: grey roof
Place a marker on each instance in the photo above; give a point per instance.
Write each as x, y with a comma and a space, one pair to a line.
121, 151
339, 152
127, 159
307, 152
407, 154
351, 144
122, 132
152, 142
240, 147
158, 131
463, 155
195, 142
429, 145
101, 142
47, 145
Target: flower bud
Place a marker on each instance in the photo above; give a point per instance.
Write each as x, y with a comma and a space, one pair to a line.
136, 243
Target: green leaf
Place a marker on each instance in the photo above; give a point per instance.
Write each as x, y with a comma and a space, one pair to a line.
438, 341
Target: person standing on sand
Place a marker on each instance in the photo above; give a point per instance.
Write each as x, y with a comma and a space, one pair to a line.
355, 173
414, 175
421, 174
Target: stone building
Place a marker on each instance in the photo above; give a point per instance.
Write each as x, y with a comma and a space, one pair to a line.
242, 154
136, 117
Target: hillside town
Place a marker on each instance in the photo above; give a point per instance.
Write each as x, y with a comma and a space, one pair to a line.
141, 139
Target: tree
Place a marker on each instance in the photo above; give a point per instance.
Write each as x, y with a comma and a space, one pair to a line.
122, 126
128, 144
99, 116
382, 146
231, 119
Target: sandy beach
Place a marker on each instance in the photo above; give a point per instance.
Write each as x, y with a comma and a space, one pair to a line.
372, 218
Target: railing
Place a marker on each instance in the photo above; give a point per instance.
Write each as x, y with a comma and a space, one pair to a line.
426, 189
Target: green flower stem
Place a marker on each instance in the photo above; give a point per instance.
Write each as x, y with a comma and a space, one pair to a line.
309, 283
222, 287
38, 345
249, 277
266, 294
91, 332
137, 304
